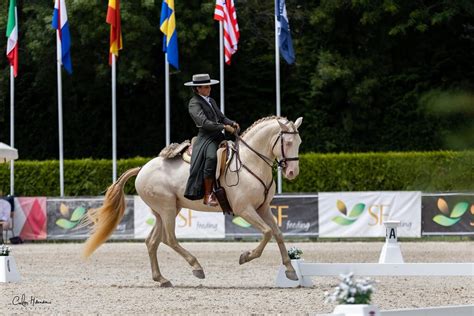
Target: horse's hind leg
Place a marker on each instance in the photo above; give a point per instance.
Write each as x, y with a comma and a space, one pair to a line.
169, 239
256, 221
152, 242
267, 216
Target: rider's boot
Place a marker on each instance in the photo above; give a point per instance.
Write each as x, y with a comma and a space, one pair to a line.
209, 198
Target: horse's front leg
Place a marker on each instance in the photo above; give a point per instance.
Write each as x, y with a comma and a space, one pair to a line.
251, 216
267, 216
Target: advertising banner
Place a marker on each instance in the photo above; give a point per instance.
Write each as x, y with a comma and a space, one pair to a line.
65, 215
30, 218
448, 214
361, 214
296, 215
189, 223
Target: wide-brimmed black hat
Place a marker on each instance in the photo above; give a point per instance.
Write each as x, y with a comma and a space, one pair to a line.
201, 80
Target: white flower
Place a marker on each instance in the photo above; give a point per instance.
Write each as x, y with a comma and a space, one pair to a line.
295, 253
5, 250
350, 291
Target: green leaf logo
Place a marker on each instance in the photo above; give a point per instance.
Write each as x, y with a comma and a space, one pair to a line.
150, 221
75, 219
239, 221
78, 213
448, 219
64, 223
355, 213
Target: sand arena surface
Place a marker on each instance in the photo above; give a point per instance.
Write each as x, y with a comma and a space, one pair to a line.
117, 279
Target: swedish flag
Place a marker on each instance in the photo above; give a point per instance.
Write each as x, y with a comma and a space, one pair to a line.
168, 28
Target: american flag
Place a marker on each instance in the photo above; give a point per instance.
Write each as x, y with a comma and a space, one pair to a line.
225, 12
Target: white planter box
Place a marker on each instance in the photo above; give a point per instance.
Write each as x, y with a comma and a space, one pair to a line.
8, 270
283, 281
357, 310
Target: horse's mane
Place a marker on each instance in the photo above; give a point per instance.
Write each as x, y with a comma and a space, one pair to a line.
264, 119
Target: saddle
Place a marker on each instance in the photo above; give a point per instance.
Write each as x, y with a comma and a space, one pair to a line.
186, 156
224, 156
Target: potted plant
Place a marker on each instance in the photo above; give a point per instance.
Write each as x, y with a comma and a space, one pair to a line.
295, 253
5, 250
353, 296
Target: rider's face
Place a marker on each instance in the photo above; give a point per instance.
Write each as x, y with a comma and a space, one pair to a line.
204, 90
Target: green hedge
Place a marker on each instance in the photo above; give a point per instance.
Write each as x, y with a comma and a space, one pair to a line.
426, 171
81, 177
420, 171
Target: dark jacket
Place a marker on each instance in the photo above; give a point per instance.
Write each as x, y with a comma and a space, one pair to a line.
210, 122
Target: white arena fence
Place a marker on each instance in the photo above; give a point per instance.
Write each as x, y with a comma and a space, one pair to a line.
390, 263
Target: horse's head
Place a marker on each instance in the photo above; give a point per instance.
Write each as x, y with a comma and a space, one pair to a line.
286, 148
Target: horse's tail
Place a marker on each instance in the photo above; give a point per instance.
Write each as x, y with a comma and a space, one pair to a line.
106, 218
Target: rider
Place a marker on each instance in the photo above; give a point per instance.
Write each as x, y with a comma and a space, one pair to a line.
211, 123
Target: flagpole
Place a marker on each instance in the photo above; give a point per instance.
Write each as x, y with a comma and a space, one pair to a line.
114, 121
221, 63
277, 74
60, 116
12, 128
167, 99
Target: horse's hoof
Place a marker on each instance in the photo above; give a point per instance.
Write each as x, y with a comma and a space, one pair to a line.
291, 275
199, 274
243, 257
166, 284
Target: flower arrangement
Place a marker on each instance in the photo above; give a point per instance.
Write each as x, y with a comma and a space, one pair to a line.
351, 291
5, 250
295, 253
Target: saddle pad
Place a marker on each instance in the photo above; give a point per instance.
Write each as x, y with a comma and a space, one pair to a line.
224, 156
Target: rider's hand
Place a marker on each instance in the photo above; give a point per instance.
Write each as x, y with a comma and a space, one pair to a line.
236, 126
229, 129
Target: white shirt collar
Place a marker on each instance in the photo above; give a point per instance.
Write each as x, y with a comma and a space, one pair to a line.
208, 99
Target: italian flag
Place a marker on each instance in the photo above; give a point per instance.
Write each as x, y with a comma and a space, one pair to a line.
12, 35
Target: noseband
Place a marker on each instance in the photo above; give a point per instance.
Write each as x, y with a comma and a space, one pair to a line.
282, 163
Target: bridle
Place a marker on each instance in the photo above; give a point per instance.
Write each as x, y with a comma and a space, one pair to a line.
282, 163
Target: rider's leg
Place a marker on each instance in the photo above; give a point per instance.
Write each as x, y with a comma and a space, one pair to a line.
209, 174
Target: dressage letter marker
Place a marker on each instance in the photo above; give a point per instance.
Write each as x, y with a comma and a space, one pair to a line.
391, 249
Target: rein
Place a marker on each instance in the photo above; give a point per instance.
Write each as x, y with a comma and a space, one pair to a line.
271, 163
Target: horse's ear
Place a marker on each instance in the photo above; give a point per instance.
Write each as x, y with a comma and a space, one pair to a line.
298, 121
283, 127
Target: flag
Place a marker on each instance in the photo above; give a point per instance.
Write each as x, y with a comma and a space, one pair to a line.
61, 24
168, 28
225, 12
12, 35
113, 18
284, 35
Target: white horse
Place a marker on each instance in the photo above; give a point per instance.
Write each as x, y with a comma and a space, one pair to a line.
248, 183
